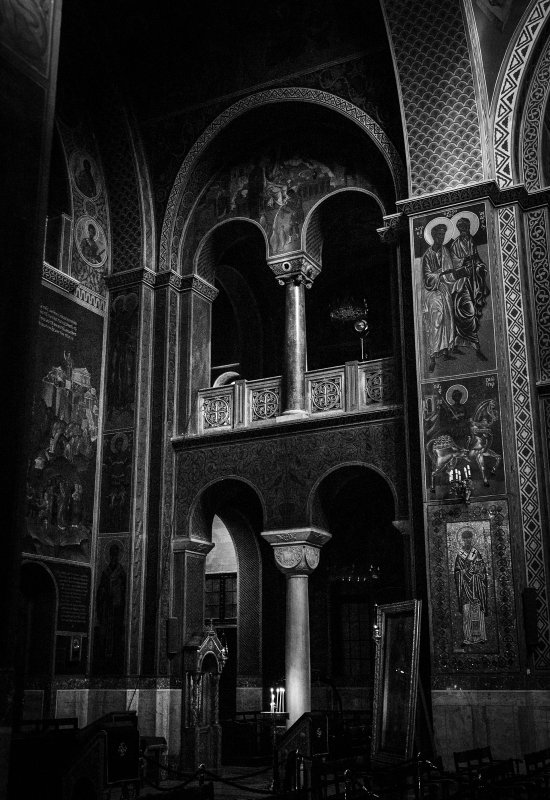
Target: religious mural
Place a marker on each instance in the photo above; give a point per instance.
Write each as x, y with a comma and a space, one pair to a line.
472, 585
85, 174
91, 242
453, 292
462, 437
110, 607
116, 481
275, 191
64, 430
122, 354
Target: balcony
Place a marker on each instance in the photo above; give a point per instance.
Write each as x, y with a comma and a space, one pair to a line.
349, 389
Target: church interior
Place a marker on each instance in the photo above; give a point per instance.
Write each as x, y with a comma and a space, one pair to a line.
276, 320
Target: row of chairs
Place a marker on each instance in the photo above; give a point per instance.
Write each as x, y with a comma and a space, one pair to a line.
477, 776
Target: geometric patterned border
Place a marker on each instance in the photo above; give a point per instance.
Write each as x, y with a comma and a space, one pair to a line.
524, 430
505, 110
537, 225
533, 120
285, 94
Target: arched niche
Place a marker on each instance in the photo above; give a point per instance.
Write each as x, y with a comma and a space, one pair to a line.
232, 508
248, 311
38, 592
361, 566
356, 272
270, 163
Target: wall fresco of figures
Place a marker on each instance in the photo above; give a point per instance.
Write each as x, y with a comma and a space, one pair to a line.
116, 481
64, 430
463, 436
122, 354
90, 255
275, 191
453, 293
110, 605
471, 589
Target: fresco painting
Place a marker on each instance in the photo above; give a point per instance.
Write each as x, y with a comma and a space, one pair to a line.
454, 301
462, 436
471, 587
64, 431
276, 192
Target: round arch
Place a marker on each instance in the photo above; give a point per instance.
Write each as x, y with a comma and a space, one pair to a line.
531, 136
202, 261
314, 512
312, 241
212, 494
178, 201
509, 94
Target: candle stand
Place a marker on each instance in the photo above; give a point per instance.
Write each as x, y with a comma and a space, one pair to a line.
277, 722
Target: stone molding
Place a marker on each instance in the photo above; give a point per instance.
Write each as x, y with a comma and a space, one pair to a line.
201, 548
296, 559
59, 279
479, 191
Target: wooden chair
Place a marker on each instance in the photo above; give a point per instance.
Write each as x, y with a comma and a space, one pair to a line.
537, 768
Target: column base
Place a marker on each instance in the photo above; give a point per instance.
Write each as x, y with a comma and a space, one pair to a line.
292, 414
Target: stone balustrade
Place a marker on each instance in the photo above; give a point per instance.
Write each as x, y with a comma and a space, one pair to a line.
351, 388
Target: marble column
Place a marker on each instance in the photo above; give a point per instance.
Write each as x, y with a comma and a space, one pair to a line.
295, 274
297, 554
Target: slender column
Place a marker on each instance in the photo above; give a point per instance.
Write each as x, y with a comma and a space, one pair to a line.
294, 274
296, 555
295, 355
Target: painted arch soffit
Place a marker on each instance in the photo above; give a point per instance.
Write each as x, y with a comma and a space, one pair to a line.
509, 93
182, 199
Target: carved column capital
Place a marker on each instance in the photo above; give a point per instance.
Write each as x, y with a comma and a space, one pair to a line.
297, 550
403, 526
395, 226
296, 268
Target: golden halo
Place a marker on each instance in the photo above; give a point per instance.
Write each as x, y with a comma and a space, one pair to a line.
462, 389
470, 216
431, 225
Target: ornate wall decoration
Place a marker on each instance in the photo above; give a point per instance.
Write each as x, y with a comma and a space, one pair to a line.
169, 243
122, 359
285, 470
116, 482
123, 186
462, 434
89, 258
326, 394
537, 226
380, 386
438, 96
453, 300
523, 423
217, 411
533, 120
64, 430
265, 404
472, 590
112, 591
25, 29
509, 89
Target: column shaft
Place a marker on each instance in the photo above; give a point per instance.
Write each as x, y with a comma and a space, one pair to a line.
295, 355
297, 657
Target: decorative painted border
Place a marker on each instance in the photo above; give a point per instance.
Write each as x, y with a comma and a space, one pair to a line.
537, 226
524, 430
506, 104
253, 101
533, 121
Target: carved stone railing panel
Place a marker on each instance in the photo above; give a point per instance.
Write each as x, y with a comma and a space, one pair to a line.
366, 386
216, 409
378, 384
263, 401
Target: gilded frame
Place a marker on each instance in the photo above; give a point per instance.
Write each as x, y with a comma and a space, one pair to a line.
395, 681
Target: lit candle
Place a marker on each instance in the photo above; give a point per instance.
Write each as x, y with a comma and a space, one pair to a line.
282, 699
272, 703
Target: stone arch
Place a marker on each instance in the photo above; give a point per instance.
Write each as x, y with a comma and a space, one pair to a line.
506, 123
533, 123
232, 500
181, 201
204, 261
209, 496
314, 510
312, 239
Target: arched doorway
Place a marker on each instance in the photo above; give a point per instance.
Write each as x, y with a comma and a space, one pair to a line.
362, 566
36, 638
